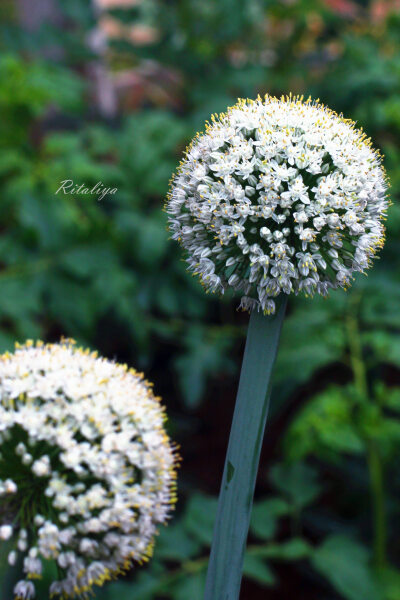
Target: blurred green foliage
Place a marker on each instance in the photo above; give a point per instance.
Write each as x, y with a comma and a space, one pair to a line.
105, 273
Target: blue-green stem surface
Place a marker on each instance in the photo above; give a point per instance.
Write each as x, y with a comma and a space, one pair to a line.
9, 576
241, 464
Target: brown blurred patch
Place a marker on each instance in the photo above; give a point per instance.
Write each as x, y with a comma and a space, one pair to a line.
149, 82
380, 10
138, 34
346, 8
106, 4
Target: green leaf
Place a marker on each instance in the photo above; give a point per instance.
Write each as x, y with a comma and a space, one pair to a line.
390, 580
144, 586
391, 398
86, 261
344, 563
381, 307
255, 568
326, 424
191, 586
20, 296
265, 516
385, 345
297, 481
7, 341
205, 355
76, 311
151, 239
294, 549
175, 543
322, 329
199, 517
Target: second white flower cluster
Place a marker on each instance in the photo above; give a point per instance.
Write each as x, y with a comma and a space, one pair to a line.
86, 468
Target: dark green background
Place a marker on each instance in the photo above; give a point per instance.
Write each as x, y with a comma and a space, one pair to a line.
106, 274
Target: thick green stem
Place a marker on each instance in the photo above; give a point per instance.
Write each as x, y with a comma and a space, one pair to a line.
373, 456
241, 464
9, 582
10, 577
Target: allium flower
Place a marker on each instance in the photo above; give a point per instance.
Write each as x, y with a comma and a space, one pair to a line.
87, 471
278, 196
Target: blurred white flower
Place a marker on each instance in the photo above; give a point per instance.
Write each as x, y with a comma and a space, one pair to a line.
101, 470
24, 590
6, 532
265, 195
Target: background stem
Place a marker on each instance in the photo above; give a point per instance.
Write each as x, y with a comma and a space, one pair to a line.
241, 464
378, 502
374, 460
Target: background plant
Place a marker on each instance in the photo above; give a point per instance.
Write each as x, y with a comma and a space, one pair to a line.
105, 273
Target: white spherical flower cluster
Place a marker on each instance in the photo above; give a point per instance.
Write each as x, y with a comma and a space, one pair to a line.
278, 196
87, 471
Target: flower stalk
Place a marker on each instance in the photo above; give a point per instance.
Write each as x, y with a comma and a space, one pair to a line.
242, 458
374, 461
378, 500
